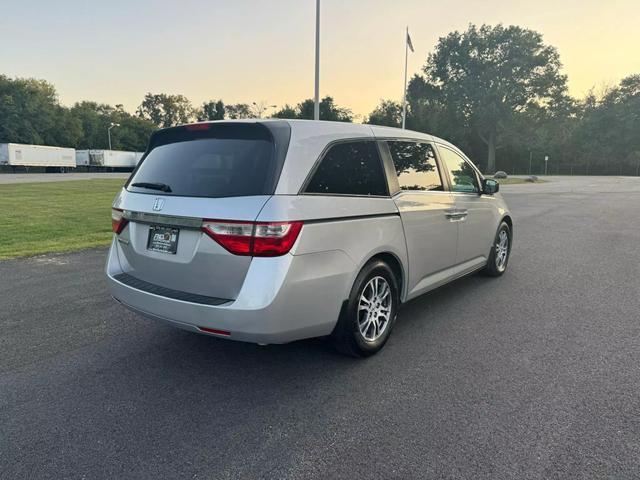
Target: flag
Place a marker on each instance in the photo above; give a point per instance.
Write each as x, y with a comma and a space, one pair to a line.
409, 44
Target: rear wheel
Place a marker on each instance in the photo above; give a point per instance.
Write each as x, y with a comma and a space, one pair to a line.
370, 312
500, 251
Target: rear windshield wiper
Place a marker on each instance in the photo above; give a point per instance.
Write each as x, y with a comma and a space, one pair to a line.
153, 186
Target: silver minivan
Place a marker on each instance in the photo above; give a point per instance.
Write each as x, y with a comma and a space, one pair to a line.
271, 231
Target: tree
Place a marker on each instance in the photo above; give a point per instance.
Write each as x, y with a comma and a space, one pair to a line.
132, 133
30, 113
211, 110
166, 110
95, 118
388, 113
607, 135
68, 129
238, 111
328, 111
462, 91
286, 112
488, 74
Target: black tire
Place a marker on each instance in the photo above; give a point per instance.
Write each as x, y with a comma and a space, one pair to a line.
346, 336
493, 269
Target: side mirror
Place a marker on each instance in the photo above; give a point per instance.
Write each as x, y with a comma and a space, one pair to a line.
489, 186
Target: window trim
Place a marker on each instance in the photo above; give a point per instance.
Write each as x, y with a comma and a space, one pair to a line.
444, 179
323, 154
389, 168
479, 176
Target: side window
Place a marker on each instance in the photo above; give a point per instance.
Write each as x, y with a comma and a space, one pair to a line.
462, 174
350, 168
415, 166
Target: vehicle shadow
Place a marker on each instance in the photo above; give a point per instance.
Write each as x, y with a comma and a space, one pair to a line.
164, 354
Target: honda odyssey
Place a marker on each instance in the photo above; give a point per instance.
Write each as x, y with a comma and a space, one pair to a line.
270, 231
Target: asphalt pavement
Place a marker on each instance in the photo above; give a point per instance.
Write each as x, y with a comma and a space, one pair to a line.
8, 178
531, 375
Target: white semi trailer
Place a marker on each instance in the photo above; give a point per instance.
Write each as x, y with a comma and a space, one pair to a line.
37, 156
106, 159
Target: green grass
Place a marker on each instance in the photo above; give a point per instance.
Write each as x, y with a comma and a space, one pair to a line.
37, 218
52, 217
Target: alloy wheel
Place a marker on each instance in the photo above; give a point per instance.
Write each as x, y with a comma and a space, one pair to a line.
502, 250
374, 308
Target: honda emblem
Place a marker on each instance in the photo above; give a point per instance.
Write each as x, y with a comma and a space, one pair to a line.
158, 204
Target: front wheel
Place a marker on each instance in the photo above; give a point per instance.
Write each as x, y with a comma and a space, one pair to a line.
370, 312
500, 251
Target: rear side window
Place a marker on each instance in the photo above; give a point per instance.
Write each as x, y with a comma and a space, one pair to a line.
415, 166
222, 161
350, 168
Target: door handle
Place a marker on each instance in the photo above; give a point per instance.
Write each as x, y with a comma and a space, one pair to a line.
455, 214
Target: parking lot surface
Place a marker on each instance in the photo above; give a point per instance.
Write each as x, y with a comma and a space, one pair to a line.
531, 375
7, 178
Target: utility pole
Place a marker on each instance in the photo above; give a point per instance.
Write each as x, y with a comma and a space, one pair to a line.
316, 103
530, 158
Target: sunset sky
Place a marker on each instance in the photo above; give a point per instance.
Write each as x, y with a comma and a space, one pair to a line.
251, 50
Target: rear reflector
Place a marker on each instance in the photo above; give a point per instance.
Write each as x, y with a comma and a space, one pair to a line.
214, 331
118, 222
257, 239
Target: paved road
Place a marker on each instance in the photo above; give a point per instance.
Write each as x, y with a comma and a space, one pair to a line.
532, 375
57, 177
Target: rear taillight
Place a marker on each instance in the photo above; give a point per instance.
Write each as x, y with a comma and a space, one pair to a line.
257, 239
118, 222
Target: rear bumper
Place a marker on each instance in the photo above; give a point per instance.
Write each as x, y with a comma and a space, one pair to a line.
282, 299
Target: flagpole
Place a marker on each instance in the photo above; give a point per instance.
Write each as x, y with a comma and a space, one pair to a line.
404, 91
316, 102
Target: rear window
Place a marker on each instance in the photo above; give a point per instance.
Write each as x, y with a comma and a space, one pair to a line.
218, 161
350, 168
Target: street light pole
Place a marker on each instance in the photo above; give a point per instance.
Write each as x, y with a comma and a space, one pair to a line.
316, 103
109, 131
261, 107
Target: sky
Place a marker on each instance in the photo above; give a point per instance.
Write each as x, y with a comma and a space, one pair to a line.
263, 50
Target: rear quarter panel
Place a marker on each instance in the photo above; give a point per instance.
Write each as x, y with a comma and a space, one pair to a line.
352, 229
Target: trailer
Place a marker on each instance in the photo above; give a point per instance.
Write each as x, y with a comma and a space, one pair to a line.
37, 156
107, 159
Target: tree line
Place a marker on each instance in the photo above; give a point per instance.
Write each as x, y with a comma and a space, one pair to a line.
499, 94
496, 92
